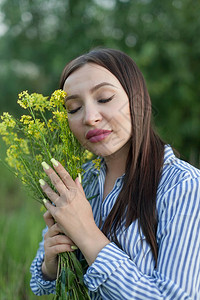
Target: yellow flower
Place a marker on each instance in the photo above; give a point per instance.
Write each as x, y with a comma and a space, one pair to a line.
22, 94
3, 129
88, 155
51, 125
79, 170
34, 101
75, 157
61, 116
39, 157
25, 119
13, 159
6, 140
42, 129
22, 145
58, 98
9, 138
24, 181
62, 162
97, 163
22, 99
8, 120
40, 102
36, 129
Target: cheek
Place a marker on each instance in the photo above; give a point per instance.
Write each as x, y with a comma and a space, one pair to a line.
124, 118
73, 126
76, 129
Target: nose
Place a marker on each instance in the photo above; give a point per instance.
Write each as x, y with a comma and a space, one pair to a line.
91, 115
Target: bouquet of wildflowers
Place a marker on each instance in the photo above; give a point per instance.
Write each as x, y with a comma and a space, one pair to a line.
39, 135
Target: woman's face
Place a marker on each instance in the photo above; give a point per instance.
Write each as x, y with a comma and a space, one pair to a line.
98, 110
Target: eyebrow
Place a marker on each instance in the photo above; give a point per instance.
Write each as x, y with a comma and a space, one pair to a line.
92, 90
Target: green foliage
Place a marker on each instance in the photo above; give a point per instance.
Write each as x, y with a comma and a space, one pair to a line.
162, 37
39, 136
38, 43
70, 285
15, 255
21, 224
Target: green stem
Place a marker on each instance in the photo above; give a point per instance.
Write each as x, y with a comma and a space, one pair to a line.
45, 120
42, 135
31, 176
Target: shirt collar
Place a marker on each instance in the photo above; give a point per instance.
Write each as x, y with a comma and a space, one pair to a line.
169, 156
91, 168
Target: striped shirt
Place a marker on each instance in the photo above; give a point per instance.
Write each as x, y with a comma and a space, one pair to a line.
129, 272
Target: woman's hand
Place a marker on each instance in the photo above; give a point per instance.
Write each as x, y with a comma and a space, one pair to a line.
54, 242
72, 211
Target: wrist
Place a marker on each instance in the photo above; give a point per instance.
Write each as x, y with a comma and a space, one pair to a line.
47, 275
92, 244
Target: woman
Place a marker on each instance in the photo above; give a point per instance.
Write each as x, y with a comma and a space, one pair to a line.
140, 234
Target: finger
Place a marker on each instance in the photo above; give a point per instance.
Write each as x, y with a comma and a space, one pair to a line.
79, 185
60, 239
51, 208
55, 179
48, 191
53, 231
49, 220
64, 175
56, 229
60, 249
53, 237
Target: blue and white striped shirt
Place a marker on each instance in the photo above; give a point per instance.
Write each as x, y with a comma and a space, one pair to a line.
130, 273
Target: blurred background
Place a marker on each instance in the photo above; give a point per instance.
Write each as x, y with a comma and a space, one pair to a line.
37, 39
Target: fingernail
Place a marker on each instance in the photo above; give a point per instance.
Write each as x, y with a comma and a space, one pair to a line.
54, 162
42, 182
74, 247
79, 177
45, 165
45, 201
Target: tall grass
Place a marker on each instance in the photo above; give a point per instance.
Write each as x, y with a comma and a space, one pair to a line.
21, 223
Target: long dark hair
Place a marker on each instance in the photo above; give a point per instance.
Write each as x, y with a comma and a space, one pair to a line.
137, 199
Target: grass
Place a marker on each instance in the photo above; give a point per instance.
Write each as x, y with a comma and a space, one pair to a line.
21, 223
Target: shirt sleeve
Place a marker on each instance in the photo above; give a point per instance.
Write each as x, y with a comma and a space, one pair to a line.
38, 284
115, 276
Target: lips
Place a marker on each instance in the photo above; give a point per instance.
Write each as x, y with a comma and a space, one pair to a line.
97, 135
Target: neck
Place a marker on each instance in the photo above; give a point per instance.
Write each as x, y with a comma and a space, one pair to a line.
116, 163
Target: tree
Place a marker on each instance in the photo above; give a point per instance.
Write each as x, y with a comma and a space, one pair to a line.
161, 36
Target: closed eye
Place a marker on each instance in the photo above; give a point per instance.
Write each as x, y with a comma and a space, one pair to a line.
73, 111
106, 100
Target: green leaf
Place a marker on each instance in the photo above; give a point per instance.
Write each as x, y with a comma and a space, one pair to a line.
70, 278
63, 285
84, 264
77, 267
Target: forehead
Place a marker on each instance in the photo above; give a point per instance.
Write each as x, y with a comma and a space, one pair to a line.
87, 77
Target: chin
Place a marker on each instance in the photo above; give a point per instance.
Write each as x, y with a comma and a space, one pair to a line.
104, 152
100, 152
